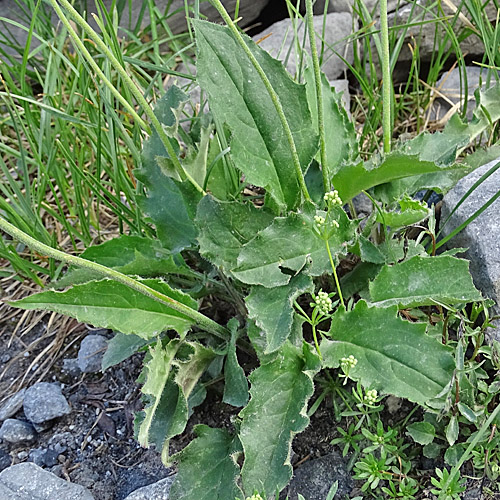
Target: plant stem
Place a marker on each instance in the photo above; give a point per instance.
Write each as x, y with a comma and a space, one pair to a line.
337, 283
386, 77
200, 319
272, 94
319, 95
127, 80
315, 337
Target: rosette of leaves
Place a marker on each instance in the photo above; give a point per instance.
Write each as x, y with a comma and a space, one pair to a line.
236, 224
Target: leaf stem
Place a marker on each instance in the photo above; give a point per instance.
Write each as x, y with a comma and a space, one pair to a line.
272, 94
319, 95
315, 337
386, 77
337, 283
126, 79
200, 319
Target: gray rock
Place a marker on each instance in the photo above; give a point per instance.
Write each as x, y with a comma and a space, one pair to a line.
91, 351
482, 236
280, 42
12, 405
16, 431
37, 456
314, 478
44, 402
70, 366
5, 460
159, 490
248, 11
450, 97
27, 481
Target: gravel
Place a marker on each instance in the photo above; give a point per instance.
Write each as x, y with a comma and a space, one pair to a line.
159, 490
44, 402
91, 351
16, 431
12, 405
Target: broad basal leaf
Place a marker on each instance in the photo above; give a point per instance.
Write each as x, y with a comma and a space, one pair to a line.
272, 309
224, 227
109, 304
394, 356
171, 374
170, 204
238, 97
207, 467
341, 142
132, 255
288, 244
276, 412
423, 281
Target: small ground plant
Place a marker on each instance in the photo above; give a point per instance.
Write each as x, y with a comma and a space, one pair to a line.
252, 207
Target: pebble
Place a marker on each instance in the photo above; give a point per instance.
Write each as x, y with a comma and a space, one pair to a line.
70, 366
91, 351
5, 358
43, 402
5, 460
159, 490
12, 405
27, 481
16, 431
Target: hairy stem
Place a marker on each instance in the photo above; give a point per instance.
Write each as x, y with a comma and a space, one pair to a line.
200, 319
386, 77
274, 97
126, 79
337, 283
319, 95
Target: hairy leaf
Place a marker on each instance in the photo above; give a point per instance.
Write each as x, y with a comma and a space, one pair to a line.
272, 309
341, 143
235, 380
207, 467
411, 212
394, 356
225, 227
276, 412
422, 432
238, 97
132, 255
289, 243
423, 281
109, 304
170, 204
121, 347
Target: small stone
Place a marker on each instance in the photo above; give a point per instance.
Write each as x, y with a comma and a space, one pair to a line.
91, 351
37, 456
16, 431
27, 481
70, 366
5, 460
50, 458
44, 402
44, 426
22, 455
5, 358
159, 490
12, 405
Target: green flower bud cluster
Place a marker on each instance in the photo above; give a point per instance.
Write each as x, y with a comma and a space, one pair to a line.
333, 198
320, 221
254, 497
346, 365
371, 397
323, 302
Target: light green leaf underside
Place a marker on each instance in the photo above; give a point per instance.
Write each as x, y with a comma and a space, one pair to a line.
276, 412
424, 281
121, 347
224, 227
109, 304
238, 97
394, 356
235, 380
132, 255
272, 309
207, 467
290, 242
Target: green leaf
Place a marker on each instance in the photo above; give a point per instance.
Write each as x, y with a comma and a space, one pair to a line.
422, 432
394, 356
432, 450
336, 122
171, 376
235, 380
113, 305
207, 467
121, 347
411, 212
423, 281
132, 255
272, 309
238, 97
170, 204
454, 453
224, 227
290, 242
452, 430
276, 412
